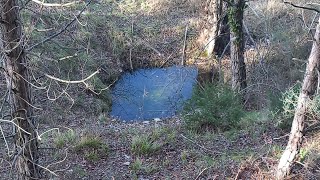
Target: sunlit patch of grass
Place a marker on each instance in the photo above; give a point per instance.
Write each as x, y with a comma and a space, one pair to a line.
310, 152
144, 145
184, 156
92, 148
62, 139
102, 118
138, 167
78, 171
276, 151
152, 142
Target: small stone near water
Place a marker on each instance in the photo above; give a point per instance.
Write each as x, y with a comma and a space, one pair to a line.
157, 119
126, 163
146, 122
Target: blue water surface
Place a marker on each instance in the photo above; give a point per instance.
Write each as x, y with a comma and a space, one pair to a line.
152, 93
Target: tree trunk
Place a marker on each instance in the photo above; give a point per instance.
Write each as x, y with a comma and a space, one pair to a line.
308, 90
217, 31
238, 67
15, 71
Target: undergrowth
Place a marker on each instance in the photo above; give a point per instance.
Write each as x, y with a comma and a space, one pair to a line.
215, 107
289, 101
92, 148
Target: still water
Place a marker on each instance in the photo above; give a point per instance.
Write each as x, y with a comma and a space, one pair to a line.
152, 93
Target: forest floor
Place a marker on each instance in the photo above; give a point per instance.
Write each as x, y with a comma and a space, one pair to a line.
79, 141
76, 144
74, 151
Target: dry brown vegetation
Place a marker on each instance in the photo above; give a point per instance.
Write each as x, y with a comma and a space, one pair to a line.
80, 141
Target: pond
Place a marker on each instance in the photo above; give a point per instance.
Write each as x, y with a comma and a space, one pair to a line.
152, 93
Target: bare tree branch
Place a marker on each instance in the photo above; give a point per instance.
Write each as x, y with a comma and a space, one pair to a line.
54, 4
72, 82
302, 7
59, 32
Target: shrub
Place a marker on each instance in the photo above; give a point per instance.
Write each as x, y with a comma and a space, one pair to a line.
289, 104
215, 107
289, 101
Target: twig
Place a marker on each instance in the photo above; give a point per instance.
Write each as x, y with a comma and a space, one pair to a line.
302, 7
130, 51
65, 157
11, 121
318, 85
148, 45
168, 58
61, 31
54, 4
200, 173
277, 138
5, 140
184, 46
72, 82
217, 152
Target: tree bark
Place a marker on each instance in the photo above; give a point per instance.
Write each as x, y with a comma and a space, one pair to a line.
217, 30
16, 74
238, 66
308, 90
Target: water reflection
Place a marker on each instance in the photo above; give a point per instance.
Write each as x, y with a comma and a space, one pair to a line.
152, 93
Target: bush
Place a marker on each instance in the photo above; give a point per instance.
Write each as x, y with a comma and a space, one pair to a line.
215, 107
289, 102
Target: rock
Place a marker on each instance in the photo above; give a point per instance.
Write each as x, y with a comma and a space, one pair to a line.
126, 163
146, 122
126, 156
157, 119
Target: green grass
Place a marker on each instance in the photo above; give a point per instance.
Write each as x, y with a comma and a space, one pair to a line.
62, 139
138, 167
144, 145
92, 148
152, 142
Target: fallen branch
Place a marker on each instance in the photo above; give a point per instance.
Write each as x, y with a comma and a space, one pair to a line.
72, 82
54, 4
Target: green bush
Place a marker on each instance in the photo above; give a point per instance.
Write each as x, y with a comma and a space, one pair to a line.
289, 104
215, 107
289, 101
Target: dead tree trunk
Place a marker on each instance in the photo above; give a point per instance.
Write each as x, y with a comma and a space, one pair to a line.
307, 91
238, 67
217, 32
15, 71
